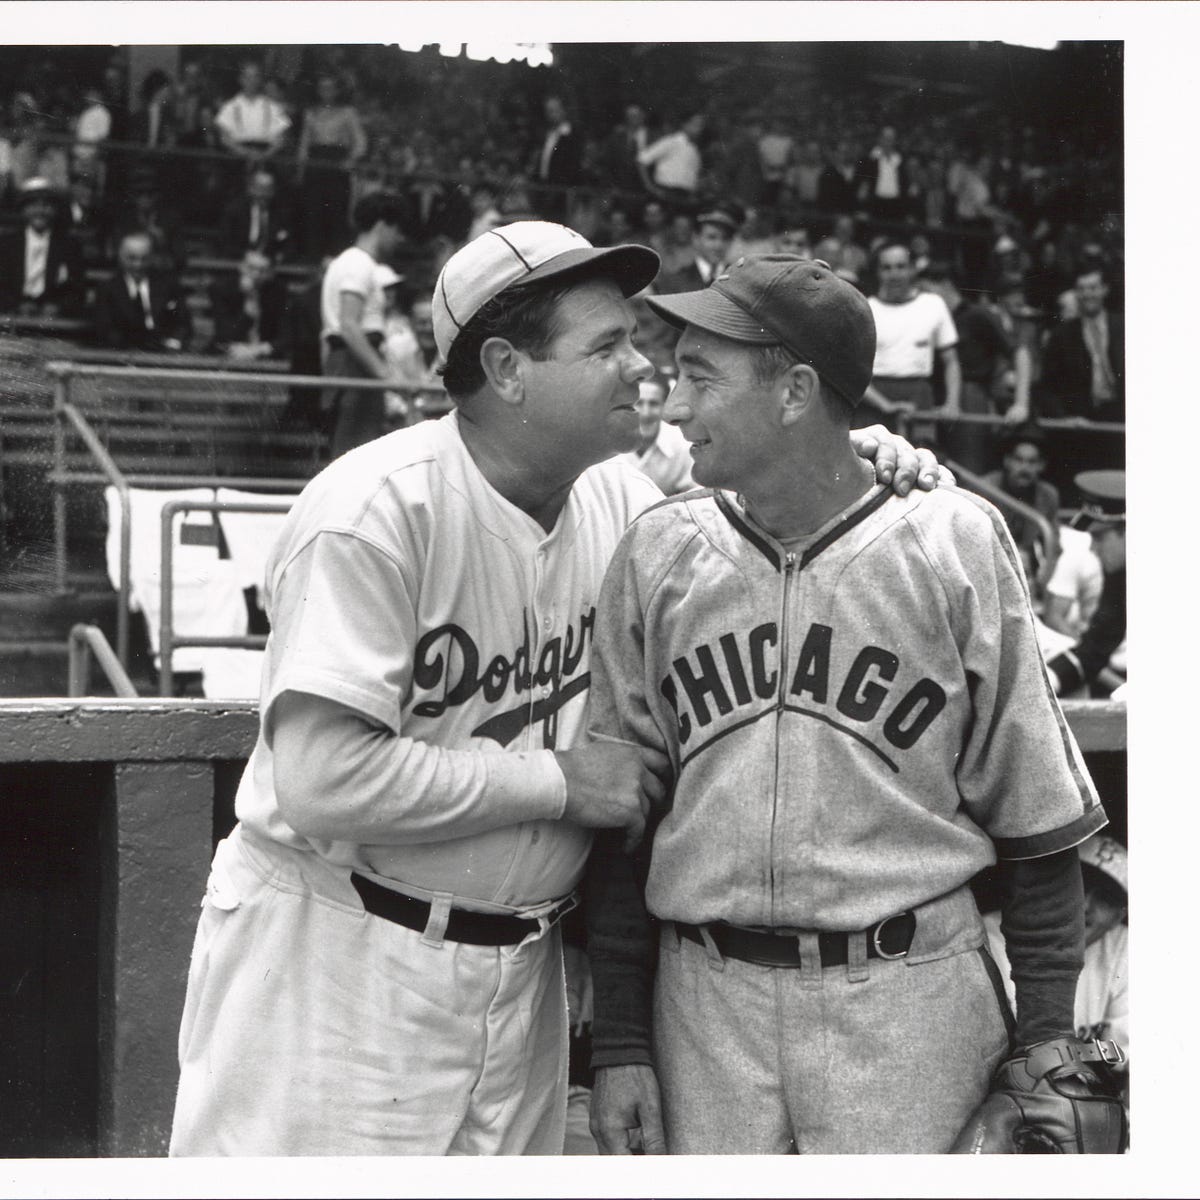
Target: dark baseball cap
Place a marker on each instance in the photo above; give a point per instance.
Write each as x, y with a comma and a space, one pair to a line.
781, 299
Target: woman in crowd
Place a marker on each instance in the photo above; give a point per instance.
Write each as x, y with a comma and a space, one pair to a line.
332, 140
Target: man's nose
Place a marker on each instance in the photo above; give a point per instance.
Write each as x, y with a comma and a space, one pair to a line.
638, 367
676, 409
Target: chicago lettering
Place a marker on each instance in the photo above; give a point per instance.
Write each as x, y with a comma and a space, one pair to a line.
742, 669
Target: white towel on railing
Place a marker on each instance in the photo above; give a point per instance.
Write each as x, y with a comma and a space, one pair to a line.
232, 674
207, 596
251, 536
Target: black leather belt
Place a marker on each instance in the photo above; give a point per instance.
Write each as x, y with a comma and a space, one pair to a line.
889, 939
475, 928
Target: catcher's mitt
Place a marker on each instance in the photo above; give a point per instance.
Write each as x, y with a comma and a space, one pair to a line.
1057, 1097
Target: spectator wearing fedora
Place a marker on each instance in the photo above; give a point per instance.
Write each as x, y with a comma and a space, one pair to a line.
41, 265
1103, 516
711, 243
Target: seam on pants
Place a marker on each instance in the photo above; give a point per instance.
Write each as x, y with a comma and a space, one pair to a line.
993, 973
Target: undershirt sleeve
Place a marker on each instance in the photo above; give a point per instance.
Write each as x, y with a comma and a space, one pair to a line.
1041, 917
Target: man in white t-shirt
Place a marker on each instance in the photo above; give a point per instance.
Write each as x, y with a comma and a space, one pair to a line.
352, 321
251, 124
913, 331
662, 453
671, 165
377, 968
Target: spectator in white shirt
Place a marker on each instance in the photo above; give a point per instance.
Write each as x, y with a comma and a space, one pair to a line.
914, 331
251, 124
671, 165
353, 309
92, 127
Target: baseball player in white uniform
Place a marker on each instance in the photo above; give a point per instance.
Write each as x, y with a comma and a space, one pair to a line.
377, 968
848, 688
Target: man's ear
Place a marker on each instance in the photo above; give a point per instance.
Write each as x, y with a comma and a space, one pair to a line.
502, 363
799, 388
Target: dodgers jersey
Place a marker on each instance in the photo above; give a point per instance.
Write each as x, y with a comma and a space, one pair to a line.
857, 722
407, 588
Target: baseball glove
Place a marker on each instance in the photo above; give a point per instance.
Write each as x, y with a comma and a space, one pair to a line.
1057, 1097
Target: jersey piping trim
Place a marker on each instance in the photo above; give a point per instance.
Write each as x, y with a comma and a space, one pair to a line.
750, 534
1088, 800
843, 527
1039, 845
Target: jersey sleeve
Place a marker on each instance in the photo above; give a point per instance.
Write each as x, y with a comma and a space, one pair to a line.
1020, 774
619, 698
344, 624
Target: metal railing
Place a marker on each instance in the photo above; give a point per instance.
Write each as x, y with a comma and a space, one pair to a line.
906, 420
1046, 528
168, 641
68, 417
84, 642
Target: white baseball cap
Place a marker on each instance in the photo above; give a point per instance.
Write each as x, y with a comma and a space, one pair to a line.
525, 252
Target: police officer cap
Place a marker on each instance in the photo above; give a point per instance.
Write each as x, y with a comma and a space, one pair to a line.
724, 215
1102, 498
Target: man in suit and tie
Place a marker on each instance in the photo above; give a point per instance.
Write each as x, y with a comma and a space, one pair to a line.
138, 309
622, 148
257, 221
1083, 376
559, 160
41, 266
710, 243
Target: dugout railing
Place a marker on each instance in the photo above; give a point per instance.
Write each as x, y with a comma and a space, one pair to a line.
168, 639
162, 428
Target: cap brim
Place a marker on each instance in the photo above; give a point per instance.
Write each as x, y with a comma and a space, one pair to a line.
710, 310
631, 267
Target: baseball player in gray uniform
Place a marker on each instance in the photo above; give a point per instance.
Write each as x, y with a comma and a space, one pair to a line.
377, 967
848, 689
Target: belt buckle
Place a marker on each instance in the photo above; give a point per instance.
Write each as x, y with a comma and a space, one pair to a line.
1102, 1048
878, 930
